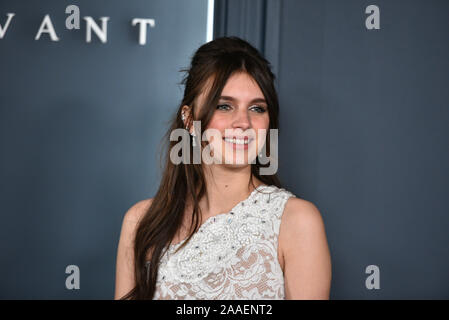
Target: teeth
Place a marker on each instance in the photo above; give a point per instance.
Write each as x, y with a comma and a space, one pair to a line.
237, 141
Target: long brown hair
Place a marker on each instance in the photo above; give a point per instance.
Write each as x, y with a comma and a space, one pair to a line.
216, 60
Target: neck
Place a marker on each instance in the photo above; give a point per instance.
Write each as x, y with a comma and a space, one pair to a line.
225, 188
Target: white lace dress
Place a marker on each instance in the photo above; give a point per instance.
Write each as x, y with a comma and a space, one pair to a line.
232, 256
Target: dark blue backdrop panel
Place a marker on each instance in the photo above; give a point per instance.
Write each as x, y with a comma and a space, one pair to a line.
370, 113
81, 125
364, 131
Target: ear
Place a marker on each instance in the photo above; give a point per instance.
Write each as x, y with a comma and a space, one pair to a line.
188, 119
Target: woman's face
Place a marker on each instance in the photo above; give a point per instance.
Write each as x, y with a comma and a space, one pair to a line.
241, 113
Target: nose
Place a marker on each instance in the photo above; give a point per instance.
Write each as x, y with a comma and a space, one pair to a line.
241, 119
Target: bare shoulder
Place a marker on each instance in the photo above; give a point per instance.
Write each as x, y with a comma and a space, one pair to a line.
125, 251
136, 211
305, 252
301, 220
301, 213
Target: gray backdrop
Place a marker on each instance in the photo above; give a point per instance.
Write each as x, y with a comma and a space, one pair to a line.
364, 133
80, 126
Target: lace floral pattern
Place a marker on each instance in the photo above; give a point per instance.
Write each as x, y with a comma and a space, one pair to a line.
232, 256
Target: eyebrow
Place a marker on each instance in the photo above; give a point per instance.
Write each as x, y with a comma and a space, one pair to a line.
229, 98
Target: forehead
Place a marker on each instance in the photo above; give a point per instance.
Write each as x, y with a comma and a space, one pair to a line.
242, 86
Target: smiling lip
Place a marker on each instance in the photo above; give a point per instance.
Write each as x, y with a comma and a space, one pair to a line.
243, 146
245, 138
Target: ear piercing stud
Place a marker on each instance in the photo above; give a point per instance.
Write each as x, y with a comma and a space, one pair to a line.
183, 117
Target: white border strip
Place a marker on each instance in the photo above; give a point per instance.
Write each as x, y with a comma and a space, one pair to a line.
210, 20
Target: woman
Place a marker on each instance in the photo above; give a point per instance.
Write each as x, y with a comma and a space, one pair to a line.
223, 230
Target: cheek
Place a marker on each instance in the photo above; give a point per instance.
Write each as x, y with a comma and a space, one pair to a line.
216, 125
218, 122
260, 122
